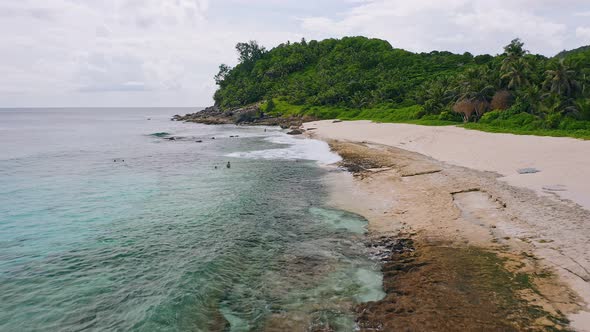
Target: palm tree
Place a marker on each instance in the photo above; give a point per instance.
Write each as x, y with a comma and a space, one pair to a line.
562, 80
514, 52
533, 96
517, 74
438, 94
476, 89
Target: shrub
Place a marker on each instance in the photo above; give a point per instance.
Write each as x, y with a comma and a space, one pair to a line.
502, 100
270, 106
553, 120
466, 108
450, 116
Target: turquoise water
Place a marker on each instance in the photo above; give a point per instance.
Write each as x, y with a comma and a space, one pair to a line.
104, 227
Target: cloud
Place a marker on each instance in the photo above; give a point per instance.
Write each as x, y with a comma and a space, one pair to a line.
166, 52
583, 33
456, 25
582, 14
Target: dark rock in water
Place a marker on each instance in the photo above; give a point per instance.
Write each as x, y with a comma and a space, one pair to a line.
529, 170
295, 132
162, 134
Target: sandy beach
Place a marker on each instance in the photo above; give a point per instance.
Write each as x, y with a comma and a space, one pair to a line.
454, 191
563, 163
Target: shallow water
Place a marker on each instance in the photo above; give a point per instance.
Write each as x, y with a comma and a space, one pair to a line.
106, 227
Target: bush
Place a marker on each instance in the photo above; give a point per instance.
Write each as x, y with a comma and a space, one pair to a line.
553, 120
270, 106
450, 116
490, 117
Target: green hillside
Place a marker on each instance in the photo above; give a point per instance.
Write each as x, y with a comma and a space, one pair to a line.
362, 78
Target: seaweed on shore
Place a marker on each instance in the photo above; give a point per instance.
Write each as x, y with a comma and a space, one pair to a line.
444, 288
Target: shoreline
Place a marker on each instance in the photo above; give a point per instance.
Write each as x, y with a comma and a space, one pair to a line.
563, 164
471, 214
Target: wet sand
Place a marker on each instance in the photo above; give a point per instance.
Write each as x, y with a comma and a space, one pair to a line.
483, 254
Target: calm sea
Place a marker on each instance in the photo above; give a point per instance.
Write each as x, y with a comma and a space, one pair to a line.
105, 226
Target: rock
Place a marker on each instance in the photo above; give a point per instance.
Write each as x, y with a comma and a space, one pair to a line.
295, 132
528, 170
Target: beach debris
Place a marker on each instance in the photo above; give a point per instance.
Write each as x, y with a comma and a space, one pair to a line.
557, 187
336, 121
528, 170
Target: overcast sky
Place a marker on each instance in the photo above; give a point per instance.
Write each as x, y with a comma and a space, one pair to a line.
165, 52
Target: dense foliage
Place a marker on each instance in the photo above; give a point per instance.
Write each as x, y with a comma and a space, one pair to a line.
358, 77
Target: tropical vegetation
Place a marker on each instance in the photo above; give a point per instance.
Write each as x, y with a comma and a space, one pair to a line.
362, 78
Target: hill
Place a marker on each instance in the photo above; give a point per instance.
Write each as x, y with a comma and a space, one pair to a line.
362, 78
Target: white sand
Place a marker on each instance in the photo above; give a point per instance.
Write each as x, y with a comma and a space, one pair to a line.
564, 163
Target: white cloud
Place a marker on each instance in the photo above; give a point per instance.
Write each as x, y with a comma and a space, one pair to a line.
583, 33
457, 25
141, 52
583, 14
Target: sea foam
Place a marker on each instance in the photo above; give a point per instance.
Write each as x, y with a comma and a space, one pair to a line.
297, 148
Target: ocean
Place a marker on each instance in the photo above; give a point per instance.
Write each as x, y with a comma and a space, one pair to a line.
106, 224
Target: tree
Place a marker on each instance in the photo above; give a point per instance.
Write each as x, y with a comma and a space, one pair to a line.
515, 49
516, 73
224, 70
515, 69
561, 80
437, 94
250, 51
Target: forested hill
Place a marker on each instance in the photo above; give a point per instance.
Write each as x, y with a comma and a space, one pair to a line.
358, 77
350, 71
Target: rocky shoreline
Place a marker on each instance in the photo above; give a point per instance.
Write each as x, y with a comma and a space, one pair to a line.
251, 115
443, 237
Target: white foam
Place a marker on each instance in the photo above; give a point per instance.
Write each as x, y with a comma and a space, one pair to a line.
298, 148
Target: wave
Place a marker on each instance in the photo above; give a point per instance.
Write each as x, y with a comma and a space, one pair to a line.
297, 149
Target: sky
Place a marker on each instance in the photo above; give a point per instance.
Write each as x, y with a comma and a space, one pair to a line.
105, 53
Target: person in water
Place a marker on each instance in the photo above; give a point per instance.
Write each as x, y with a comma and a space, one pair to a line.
228, 165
